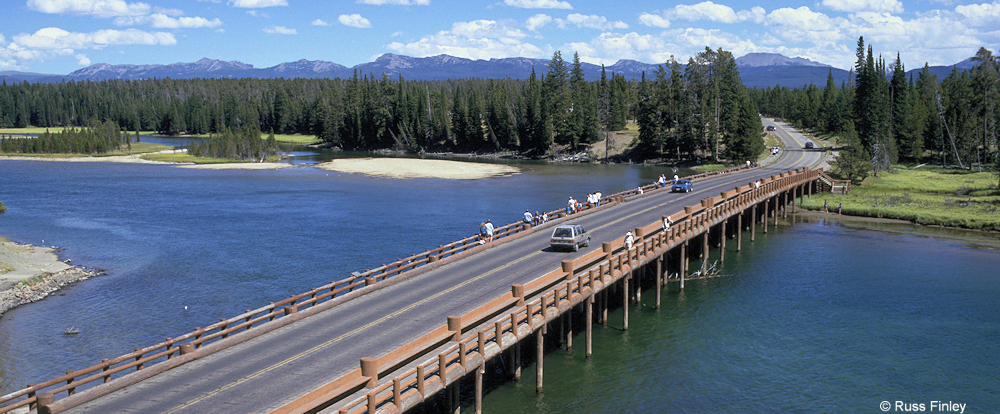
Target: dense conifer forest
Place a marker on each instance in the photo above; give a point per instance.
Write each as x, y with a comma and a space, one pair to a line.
882, 117
698, 110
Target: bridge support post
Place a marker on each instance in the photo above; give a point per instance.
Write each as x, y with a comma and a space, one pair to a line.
638, 285
722, 248
479, 387
684, 262
659, 280
540, 340
589, 311
753, 224
739, 234
704, 251
625, 303
767, 214
454, 402
515, 361
569, 329
604, 308
776, 212
784, 206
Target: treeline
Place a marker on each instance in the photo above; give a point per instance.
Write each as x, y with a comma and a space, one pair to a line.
95, 138
364, 113
702, 107
883, 117
243, 144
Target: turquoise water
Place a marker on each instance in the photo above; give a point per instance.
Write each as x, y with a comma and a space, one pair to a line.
815, 317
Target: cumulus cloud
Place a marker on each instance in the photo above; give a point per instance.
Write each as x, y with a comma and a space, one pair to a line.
162, 21
654, 20
479, 39
594, 22
537, 22
803, 24
354, 20
396, 2
96, 8
82, 59
279, 30
256, 13
256, 4
980, 15
54, 38
538, 4
853, 6
319, 22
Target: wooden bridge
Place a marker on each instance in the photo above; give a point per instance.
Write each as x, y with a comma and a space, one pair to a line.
386, 339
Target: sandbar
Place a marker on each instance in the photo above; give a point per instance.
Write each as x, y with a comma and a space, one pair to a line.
419, 168
136, 158
31, 273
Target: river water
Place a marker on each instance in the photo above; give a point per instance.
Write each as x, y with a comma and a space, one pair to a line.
816, 316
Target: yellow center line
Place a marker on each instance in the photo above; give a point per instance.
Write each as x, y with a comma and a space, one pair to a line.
344, 336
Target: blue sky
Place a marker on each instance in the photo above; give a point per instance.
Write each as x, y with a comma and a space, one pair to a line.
60, 36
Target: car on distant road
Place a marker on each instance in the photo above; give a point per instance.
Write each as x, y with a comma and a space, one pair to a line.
809, 145
777, 119
770, 127
569, 236
682, 186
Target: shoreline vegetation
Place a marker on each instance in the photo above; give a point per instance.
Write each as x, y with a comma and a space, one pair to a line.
927, 196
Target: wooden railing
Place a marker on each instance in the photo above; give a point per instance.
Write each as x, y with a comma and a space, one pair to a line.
471, 339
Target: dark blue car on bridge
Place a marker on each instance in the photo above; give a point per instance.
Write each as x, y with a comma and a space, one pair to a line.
682, 186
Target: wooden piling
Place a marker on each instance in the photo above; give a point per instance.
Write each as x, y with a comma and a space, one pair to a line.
722, 248
739, 234
625, 303
659, 280
589, 311
540, 340
479, 387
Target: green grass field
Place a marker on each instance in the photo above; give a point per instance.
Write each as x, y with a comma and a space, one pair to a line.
925, 196
290, 139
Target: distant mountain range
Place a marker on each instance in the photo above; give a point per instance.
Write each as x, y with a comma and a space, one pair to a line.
758, 70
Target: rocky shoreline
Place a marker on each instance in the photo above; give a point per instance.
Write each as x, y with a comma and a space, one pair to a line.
41, 286
31, 273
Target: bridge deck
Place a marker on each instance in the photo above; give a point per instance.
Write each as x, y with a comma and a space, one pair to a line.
270, 370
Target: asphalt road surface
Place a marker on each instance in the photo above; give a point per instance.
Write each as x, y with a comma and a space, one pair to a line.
275, 368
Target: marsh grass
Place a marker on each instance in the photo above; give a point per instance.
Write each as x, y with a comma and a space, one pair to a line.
184, 158
286, 138
924, 196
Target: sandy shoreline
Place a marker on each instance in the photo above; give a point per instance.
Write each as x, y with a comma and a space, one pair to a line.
136, 159
30, 273
418, 168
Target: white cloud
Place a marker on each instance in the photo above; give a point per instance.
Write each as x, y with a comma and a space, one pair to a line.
654, 20
608, 48
852, 6
256, 13
594, 22
53, 38
279, 30
537, 22
480, 39
354, 20
756, 14
396, 2
802, 24
704, 11
980, 15
82, 59
162, 21
319, 22
96, 8
538, 4
254, 4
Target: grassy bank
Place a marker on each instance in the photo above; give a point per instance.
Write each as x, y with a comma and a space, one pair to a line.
926, 196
